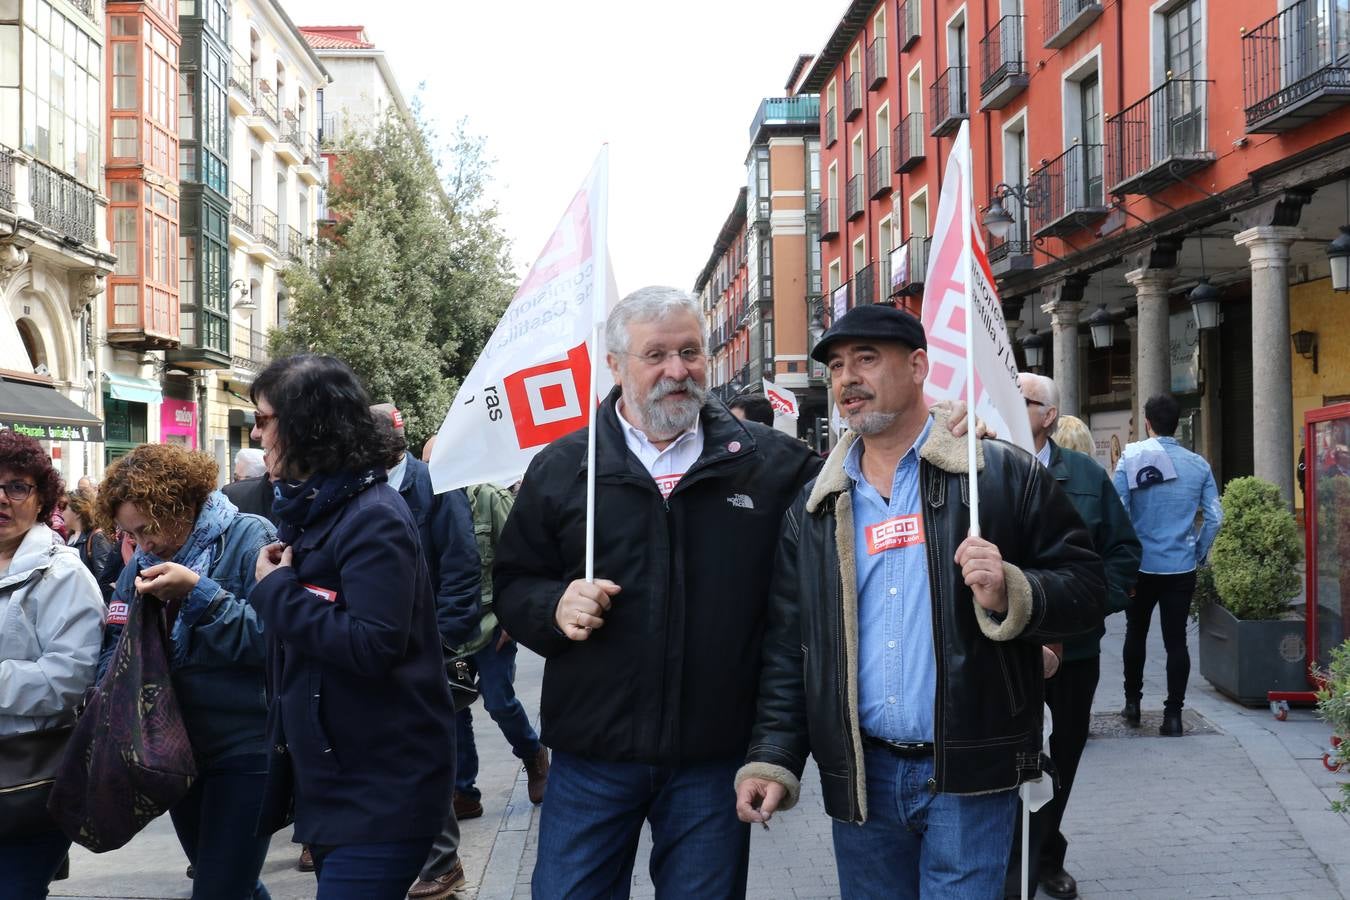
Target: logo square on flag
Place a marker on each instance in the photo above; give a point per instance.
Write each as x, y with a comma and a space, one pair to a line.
547, 400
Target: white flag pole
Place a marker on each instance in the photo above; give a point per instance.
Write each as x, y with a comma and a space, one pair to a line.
967, 221
1026, 841
598, 312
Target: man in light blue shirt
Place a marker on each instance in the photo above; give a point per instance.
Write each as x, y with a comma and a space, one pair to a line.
1163, 511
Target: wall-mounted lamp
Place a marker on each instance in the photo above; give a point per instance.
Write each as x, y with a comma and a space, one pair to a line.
1033, 348
1103, 327
1204, 299
245, 301
1305, 345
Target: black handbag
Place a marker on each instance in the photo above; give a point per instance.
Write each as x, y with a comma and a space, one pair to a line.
463, 675
28, 765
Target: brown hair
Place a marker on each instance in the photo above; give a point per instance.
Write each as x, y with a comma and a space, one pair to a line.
168, 484
22, 455
81, 503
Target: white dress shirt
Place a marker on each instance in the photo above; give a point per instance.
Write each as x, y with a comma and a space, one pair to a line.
666, 466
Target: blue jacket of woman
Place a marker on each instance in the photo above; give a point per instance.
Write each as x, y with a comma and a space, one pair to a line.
362, 727
217, 654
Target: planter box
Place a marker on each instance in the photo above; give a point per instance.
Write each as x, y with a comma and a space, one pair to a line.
1244, 660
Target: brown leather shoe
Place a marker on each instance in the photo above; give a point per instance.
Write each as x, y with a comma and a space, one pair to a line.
466, 807
439, 887
306, 861
536, 771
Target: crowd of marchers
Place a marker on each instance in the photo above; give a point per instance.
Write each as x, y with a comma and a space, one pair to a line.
754, 605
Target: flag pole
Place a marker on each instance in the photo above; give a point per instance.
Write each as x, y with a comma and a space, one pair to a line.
599, 310
968, 223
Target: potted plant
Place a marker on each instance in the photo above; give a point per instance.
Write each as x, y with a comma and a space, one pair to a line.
1251, 641
1333, 704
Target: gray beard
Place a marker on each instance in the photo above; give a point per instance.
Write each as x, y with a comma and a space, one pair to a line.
871, 423
664, 419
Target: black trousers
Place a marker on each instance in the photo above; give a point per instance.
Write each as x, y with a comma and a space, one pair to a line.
1069, 696
1172, 595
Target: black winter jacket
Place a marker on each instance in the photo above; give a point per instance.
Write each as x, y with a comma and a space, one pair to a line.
987, 715
670, 678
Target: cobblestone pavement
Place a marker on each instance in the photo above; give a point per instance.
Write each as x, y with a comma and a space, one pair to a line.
1240, 810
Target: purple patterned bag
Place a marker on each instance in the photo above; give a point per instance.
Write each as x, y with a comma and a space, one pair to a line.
129, 758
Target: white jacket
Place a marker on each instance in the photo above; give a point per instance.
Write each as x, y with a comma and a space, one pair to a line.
51, 627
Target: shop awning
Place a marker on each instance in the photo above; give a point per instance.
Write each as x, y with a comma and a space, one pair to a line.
132, 389
45, 413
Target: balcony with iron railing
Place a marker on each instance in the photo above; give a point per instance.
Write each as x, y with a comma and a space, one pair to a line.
879, 173
328, 129
876, 63
783, 111
839, 302
853, 97
241, 82
1067, 19
1003, 65
908, 142
1296, 66
831, 127
910, 23
1159, 139
6, 178
855, 197
241, 211
91, 8
909, 262
949, 101
293, 245
1011, 253
1067, 193
265, 227
865, 288
61, 203
827, 213
265, 101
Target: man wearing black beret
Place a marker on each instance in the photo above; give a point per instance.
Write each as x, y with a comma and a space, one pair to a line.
902, 653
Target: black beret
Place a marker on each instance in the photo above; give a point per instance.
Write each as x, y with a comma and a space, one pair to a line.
875, 323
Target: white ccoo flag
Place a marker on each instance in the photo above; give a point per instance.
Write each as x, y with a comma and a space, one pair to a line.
785, 409
958, 278
533, 382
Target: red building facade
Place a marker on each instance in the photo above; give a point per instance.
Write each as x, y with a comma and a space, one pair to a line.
1123, 152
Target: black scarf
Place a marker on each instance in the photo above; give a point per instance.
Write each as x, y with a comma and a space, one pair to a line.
300, 504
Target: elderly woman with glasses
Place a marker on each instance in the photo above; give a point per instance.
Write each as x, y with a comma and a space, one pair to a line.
195, 553
51, 624
362, 725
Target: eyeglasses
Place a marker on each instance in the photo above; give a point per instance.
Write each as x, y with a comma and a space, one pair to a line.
690, 356
18, 491
1031, 402
262, 420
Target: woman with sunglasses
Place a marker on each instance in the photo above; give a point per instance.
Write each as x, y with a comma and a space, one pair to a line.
362, 727
51, 624
195, 553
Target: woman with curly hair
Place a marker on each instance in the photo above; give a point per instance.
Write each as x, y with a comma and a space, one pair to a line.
87, 539
51, 624
362, 725
196, 552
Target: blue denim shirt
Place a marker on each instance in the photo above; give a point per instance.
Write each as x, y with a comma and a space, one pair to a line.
897, 671
1164, 514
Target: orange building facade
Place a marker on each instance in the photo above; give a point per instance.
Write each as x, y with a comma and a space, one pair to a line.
1123, 152
141, 94
764, 271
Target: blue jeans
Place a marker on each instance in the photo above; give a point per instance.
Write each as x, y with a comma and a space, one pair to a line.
918, 843
368, 871
27, 864
496, 685
593, 815
216, 821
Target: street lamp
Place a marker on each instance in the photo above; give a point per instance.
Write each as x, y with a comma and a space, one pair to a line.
997, 218
1338, 254
1204, 299
1033, 348
1103, 326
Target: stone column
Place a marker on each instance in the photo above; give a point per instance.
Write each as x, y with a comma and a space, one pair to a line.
1062, 302
1272, 402
1136, 425
1153, 354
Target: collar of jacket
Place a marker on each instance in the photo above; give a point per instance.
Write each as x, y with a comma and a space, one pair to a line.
1058, 470
942, 450
35, 552
720, 431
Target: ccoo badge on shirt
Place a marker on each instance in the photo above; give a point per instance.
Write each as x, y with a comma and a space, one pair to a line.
901, 531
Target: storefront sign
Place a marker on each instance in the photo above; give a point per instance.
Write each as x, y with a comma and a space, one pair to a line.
49, 432
178, 422
1184, 337
1110, 434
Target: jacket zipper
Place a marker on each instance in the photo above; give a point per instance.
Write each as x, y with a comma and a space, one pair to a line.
939, 656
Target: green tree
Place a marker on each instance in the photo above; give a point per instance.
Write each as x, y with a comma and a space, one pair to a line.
416, 274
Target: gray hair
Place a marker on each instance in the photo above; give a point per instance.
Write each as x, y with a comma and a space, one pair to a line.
252, 461
1045, 390
645, 305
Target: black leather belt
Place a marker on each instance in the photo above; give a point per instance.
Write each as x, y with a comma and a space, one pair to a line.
902, 749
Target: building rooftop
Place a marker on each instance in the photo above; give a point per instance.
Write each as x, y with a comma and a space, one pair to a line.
337, 37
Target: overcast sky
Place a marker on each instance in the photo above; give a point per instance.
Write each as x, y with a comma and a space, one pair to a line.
671, 86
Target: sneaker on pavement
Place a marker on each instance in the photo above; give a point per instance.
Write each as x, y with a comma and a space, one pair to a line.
536, 771
467, 807
306, 861
439, 887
